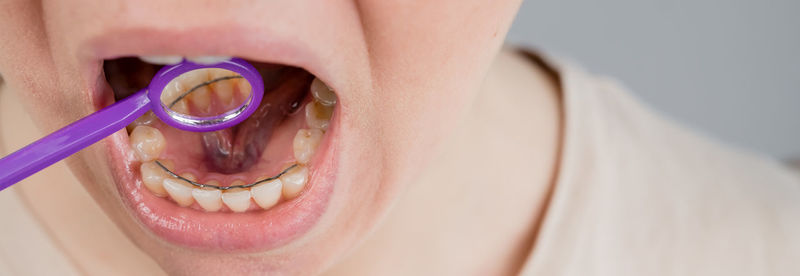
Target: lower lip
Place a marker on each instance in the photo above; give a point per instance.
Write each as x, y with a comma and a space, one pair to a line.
239, 232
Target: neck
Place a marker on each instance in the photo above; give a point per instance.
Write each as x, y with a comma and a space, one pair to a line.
478, 207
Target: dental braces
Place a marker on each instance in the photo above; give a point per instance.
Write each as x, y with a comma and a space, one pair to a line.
205, 83
201, 185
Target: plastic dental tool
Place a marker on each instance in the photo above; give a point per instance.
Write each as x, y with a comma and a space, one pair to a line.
164, 96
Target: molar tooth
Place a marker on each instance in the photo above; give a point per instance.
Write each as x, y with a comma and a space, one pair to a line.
208, 60
294, 181
268, 193
179, 191
238, 200
153, 177
322, 93
163, 60
305, 144
208, 198
147, 119
318, 115
147, 143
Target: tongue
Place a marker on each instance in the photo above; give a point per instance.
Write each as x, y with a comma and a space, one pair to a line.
238, 148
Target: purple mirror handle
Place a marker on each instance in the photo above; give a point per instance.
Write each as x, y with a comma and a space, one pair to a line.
71, 139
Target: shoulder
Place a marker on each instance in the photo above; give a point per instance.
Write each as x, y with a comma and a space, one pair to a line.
638, 193
25, 247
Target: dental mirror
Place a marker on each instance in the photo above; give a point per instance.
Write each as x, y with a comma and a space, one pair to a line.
205, 94
203, 98
188, 96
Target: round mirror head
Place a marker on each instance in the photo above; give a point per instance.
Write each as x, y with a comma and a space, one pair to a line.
206, 97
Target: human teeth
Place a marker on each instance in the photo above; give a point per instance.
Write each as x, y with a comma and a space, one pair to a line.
238, 200
268, 193
317, 115
305, 144
171, 93
208, 198
223, 89
200, 97
147, 119
243, 88
153, 177
163, 60
322, 93
208, 60
179, 191
294, 181
189, 176
181, 107
147, 143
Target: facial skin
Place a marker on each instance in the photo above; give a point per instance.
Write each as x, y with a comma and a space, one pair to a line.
406, 72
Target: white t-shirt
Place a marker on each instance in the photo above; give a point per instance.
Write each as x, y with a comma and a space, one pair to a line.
636, 194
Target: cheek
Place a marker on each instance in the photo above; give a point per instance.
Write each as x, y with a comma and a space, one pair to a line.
428, 59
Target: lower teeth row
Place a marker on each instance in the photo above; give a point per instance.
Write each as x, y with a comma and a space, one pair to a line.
148, 143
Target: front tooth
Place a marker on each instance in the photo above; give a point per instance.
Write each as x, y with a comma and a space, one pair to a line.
200, 98
181, 107
322, 93
208, 60
147, 143
243, 89
224, 88
163, 60
318, 115
179, 191
294, 181
305, 144
238, 200
153, 177
172, 92
208, 198
268, 193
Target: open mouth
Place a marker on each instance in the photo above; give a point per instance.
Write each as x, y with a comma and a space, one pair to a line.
256, 185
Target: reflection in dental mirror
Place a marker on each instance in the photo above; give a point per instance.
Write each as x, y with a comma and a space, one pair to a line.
206, 93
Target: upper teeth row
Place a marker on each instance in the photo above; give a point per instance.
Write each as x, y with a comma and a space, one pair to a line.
175, 59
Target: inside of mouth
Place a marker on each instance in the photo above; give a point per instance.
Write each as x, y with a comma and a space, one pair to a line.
254, 165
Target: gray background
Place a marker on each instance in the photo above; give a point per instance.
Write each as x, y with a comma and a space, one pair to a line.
729, 68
